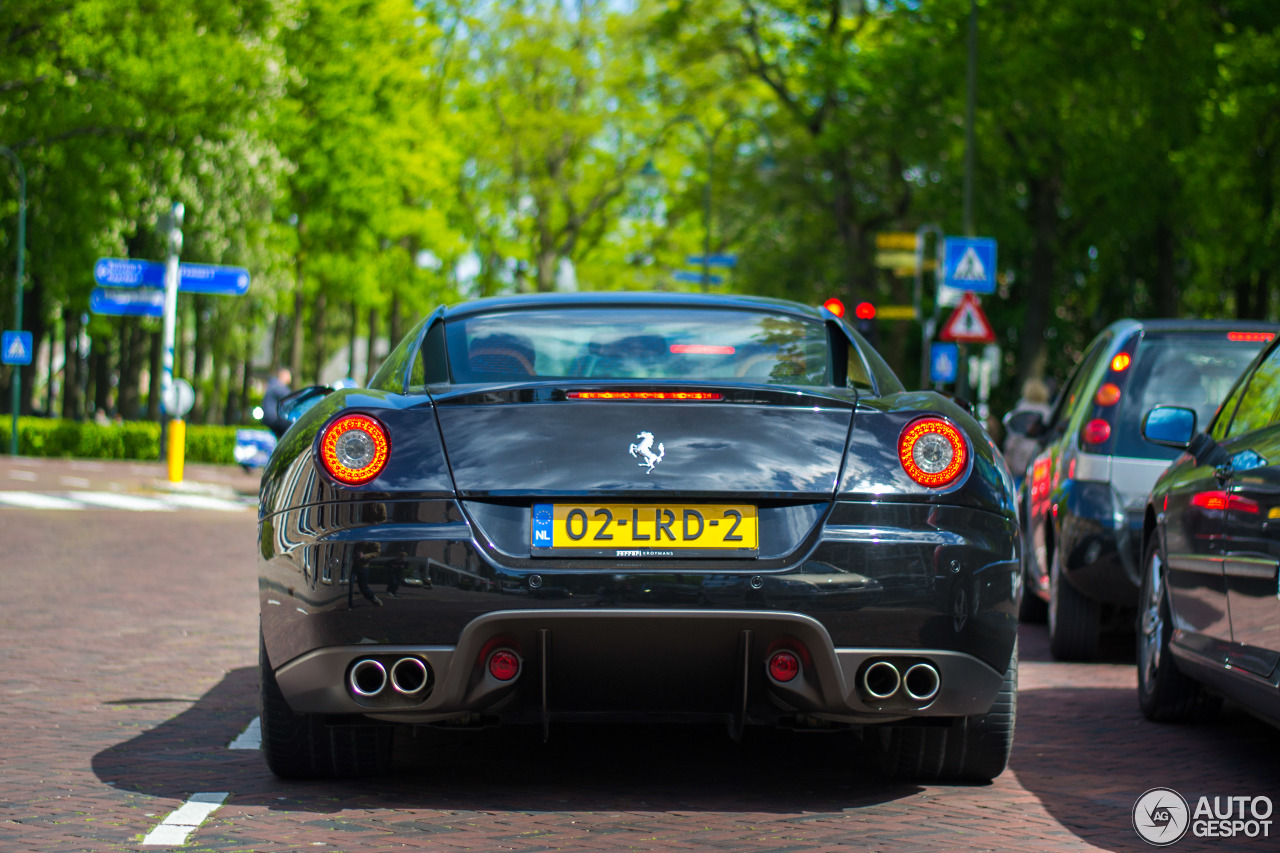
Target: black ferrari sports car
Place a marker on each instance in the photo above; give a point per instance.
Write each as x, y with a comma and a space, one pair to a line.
637, 507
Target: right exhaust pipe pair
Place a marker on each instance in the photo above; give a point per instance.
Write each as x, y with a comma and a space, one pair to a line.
408, 676
883, 679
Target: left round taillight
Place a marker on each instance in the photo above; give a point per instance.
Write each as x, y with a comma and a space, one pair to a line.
355, 449
933, 452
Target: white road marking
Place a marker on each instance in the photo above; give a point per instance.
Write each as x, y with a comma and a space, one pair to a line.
175, 828
36, 500
74, 482
250, 738
117, 501
203, 502
88, 466
26, 476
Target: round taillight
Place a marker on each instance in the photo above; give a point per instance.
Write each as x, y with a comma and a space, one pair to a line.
504, 664
1096, 431
355, 449
784, 666
932, 452
1121, 362
1108, 394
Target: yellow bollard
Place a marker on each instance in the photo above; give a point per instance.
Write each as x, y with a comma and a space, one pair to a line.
177, 446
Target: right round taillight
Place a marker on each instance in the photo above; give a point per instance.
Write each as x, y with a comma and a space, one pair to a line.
355, 449
933, 452
504, 664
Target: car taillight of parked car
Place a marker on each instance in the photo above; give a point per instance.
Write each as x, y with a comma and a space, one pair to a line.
354, 449
932, 452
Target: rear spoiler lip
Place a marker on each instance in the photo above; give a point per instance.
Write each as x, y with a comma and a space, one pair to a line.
556, 391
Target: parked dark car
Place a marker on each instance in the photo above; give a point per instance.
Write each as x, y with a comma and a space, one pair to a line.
627, 507
1210, 617
1083, 496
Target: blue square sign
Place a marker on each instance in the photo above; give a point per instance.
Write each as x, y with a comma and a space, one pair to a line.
944, 362
969, 263
15, 348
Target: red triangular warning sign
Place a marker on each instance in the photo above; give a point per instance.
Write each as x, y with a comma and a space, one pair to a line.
967, 324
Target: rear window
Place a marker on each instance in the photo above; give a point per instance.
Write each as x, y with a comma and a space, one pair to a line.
645, 344
1193, 371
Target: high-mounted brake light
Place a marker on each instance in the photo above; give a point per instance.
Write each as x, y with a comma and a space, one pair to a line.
1255, 337
1096, 431
1121, 362
701, 349
1108, 394
932, 452
644, 395
355, 449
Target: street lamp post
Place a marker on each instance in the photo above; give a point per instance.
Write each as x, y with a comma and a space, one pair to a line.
16, 385
709, 141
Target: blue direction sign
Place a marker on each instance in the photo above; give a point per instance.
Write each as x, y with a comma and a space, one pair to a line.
15, 348
944, 362
696, 277
969, 263
192, 278
127, 303
713, 260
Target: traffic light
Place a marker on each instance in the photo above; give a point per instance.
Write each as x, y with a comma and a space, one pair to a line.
835, 306
865, 321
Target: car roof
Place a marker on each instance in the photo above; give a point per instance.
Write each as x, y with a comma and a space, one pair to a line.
1192, 325
631, 299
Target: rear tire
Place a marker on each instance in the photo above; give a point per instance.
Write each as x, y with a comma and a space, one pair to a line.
1164, 693
302, 746
975, 749
1074, 620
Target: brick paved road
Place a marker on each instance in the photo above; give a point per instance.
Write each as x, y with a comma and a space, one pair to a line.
120, 691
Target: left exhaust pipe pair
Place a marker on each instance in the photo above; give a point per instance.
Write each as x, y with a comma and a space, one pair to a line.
369, 677
882, 680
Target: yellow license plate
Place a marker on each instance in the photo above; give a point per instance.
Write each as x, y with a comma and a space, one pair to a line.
645, 530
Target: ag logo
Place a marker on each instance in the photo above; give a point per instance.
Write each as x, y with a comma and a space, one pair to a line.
1161, 816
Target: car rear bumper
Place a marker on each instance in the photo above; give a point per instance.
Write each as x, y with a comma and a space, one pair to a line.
906, 582
1101, 544
656, 664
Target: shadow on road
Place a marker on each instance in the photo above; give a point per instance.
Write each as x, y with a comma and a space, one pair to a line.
592, 768
1088, 753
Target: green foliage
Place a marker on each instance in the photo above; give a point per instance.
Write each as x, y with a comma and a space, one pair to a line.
126, 440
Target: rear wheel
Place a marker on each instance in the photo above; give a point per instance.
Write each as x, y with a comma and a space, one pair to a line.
1074, 620
302, 746
1164, 693
974, 749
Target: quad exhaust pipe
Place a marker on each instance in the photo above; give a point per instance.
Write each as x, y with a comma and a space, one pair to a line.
368, 678
883, 680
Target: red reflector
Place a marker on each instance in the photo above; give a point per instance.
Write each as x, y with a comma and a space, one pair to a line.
865, 311
1121, 362
1256, 337
784, 666
504, 665
700, 349
835, 306
644, 395
1096, 431
1223, 500
1108, 394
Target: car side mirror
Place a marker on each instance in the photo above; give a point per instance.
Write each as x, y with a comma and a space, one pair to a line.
296, 404
1169, 426
1024, 422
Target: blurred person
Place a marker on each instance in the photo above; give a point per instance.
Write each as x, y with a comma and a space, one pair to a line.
277, 390
1019, 450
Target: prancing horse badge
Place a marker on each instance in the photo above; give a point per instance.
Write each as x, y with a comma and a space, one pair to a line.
643, 450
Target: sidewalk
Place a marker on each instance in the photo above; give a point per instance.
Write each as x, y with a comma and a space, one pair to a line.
31, 473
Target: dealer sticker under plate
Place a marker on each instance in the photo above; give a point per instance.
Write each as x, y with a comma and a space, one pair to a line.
645, 530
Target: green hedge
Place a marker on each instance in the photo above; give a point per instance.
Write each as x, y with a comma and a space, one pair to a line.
127, 440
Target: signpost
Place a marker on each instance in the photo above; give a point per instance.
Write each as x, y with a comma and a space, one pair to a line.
730, 261
944, 362
697, 277
127, 303
137, 288
969, 263
15, 348
968, 324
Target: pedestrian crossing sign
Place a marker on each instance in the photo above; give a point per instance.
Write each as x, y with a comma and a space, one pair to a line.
15, 348
969, 263
968, 324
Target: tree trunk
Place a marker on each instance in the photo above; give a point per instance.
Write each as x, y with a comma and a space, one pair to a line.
318, 326
393, 320
133, 358
72, 403
200, 349
1166, 284
370, 357
295, 351
351, 341
102, 375
246, 386
156, 376
1039, 289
